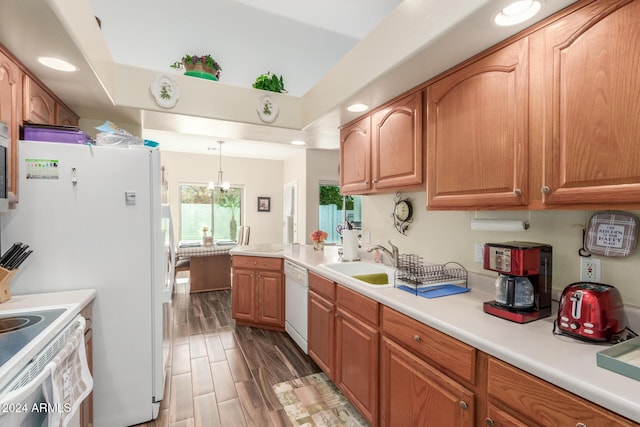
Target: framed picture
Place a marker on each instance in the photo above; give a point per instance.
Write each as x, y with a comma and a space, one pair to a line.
264, 204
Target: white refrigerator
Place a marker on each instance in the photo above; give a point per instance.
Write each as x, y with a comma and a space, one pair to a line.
92, 215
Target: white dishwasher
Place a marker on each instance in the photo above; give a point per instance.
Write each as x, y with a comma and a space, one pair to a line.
296, 303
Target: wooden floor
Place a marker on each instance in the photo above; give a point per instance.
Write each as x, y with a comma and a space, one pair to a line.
220, 374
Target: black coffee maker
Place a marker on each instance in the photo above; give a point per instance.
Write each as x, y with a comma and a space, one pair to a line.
523, 288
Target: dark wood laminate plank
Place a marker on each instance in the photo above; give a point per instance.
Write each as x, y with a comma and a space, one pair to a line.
255, 412
215, 350
279, 418
252, 354
201, 376
181, 406
183, 423
231, 413
181, 359
238, 365
197, 346
206, 411
265, 380
223, 381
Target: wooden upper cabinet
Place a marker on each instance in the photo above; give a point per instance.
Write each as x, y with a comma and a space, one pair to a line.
10, 101
591, 104
355, 157
39, 105
64, 116
477, 133
396, 142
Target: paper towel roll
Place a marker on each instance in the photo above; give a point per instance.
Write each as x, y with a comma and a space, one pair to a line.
350, 245
499, 224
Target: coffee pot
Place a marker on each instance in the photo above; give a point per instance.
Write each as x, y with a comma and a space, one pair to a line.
514, 292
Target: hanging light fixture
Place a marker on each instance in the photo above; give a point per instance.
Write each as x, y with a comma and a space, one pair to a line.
221, 184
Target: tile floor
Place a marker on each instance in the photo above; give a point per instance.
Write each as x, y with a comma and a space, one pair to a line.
221, 374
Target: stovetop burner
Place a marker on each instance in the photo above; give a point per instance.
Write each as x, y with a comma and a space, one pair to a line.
17, 330
14, 323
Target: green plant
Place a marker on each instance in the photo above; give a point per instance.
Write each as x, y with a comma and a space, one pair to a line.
270, 82
195, 59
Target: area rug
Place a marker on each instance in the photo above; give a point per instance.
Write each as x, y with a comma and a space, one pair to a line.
314, 401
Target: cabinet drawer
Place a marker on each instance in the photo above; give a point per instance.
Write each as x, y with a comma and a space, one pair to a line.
543, 402
259, 263
365, 308
453, 356
322, 286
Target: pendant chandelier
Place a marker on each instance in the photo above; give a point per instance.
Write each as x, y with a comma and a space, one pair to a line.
220, 184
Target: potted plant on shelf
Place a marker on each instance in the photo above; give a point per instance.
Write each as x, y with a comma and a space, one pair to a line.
270, 82
203, 66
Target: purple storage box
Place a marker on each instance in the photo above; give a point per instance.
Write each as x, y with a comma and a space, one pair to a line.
63, 134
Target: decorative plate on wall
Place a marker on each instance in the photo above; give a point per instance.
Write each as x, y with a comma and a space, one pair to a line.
165, 91
267, 108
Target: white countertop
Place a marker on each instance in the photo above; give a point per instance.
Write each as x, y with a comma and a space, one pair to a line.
532, 347
73, 301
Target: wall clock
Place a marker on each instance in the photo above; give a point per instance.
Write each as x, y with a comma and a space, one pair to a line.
165, 91
402, 213
267, 109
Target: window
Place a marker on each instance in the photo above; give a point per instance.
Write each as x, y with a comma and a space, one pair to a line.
201, 207
335, 208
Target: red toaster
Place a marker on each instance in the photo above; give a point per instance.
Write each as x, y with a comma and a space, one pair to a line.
591, 311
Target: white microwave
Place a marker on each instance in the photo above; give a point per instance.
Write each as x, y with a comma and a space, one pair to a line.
4, 162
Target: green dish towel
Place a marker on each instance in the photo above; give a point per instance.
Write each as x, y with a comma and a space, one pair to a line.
374, 278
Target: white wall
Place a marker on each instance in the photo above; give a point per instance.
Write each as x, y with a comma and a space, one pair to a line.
262, 178
322, 165
442, 236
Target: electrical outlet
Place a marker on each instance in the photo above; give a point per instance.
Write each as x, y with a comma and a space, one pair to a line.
589, 269
478, 254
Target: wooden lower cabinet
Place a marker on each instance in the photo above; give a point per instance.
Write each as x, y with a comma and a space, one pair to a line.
357, 347
257, 297
414, 393
528, 400
321, 333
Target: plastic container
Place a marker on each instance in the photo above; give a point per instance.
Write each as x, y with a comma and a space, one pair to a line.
52, 134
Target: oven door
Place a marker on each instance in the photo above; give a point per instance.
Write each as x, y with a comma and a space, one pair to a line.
23, 402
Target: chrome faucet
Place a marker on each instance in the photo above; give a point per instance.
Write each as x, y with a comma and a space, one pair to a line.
393, 253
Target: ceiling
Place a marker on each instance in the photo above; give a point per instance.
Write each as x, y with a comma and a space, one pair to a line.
330, 54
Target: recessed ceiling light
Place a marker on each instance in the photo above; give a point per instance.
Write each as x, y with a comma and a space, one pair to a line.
517, 12
56, 64
358, 108
298, 142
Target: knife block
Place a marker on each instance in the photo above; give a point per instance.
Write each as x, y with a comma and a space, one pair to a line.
5, 279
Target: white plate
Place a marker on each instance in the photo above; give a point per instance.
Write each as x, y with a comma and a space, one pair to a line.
165, 91
267, 108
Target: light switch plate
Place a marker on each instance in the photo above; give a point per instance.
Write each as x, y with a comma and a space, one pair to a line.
478, 253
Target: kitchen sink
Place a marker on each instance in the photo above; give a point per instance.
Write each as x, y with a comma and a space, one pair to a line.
369, 273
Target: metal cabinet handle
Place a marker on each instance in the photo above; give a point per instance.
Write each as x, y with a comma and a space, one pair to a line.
581, 425
463, 405
489, 422
545, 189
517, 192
416, 338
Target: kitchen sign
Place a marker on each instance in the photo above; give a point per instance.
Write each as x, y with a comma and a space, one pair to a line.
610, 236
41, 169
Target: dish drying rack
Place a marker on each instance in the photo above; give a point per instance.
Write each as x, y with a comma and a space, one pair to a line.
413, 273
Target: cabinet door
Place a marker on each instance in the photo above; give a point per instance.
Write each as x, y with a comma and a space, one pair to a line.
396, 151
477, 133
357, 346
243, 295
38, 104
500, 418
591, 113
64, 116
321, 333
413, 393
355, 157
10, 96
270, 302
